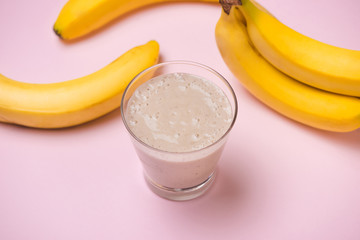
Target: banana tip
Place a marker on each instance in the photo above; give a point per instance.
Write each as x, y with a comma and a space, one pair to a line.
57, 32
154, 43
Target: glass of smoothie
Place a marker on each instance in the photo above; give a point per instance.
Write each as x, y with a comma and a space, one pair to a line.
179, 115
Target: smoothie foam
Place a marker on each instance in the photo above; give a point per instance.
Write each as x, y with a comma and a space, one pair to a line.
179, 112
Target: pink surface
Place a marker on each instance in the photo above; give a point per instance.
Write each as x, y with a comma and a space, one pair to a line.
277, 180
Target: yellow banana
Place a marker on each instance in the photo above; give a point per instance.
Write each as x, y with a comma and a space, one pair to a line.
298, 101
80, 17
315, 63
68, 103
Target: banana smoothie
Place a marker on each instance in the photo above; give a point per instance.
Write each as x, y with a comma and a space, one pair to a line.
179, 112
179, 123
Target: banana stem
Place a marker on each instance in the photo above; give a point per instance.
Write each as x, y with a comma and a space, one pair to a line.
227, 4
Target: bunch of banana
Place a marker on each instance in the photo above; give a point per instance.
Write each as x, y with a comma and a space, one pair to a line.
69, 103
80, 17
294, 99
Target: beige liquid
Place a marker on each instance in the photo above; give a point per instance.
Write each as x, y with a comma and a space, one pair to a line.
179, 113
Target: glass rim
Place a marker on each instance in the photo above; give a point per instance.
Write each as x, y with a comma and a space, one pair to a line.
184, 62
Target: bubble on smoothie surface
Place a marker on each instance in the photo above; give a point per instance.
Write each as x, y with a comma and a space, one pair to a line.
179, 112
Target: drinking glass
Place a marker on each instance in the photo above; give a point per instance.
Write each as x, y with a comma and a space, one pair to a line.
179, 175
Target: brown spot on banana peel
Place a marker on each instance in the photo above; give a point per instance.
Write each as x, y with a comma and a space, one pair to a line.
227, 4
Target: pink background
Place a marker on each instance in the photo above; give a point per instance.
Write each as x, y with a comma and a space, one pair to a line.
278, 180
